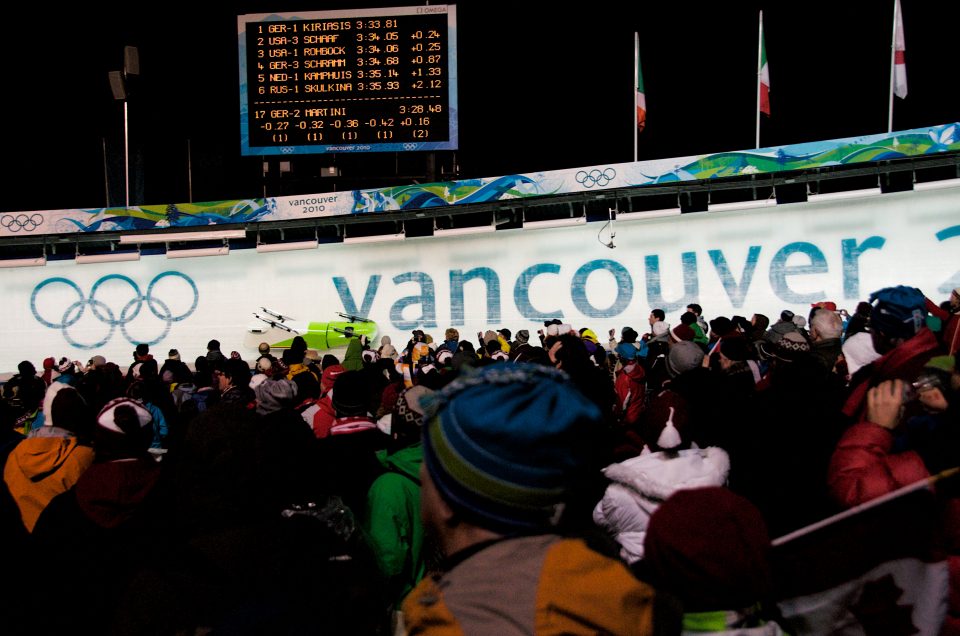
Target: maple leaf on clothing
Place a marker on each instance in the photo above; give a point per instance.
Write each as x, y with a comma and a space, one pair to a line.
879, 613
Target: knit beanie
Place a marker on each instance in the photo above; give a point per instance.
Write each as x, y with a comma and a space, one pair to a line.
123, 415
898, 312
274, 394
98, 361
721, 326
507, 444
710, 548
175, 355
523, 337
408, 410
65, 365
328, 360
49, 363
124, 429
684, 356
370, 356
330, 375
665, 425
791, 347
682, 332
65, 408
388, 351
489, 335
350, 394
735, 348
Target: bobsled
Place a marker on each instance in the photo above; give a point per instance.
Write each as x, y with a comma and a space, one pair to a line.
279, 330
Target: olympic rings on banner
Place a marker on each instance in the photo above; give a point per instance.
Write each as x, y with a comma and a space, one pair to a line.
596, 177
17, 222
105, 314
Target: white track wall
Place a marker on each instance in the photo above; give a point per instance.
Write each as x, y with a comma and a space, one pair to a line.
731, 262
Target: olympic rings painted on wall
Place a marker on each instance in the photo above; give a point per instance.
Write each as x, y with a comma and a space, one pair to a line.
105, 314
17, 222
596, 177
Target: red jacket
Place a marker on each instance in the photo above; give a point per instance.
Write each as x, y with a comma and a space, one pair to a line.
324, 417
862, 468
631, 391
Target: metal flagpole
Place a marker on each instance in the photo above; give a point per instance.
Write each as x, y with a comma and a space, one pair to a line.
636, 87
759, 69
893, 61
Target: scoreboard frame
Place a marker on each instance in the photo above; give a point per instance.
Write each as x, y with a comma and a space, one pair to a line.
348, 81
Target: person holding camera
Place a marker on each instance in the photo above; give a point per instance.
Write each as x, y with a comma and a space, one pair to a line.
911, 432
899, 334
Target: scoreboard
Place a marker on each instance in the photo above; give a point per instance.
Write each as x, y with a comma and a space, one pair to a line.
364, 80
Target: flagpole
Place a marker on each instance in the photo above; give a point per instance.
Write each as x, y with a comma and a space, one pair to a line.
759, 69
636, 88
873, 503
893, 61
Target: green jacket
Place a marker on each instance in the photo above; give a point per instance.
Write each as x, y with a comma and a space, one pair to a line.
353, 358
392, 522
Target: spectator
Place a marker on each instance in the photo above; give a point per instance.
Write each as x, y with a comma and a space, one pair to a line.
710, 548
496, 513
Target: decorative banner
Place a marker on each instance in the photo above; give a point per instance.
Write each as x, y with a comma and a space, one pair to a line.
806, 156
732, 263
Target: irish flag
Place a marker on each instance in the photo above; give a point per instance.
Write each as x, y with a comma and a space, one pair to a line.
764, 74
641, 97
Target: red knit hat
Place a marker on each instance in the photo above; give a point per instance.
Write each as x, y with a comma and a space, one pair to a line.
710, 548
330, 374
682, 332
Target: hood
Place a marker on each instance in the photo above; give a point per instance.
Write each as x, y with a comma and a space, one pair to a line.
39, 457
659, 475
51, 393
406, 460
635, 371
110, 493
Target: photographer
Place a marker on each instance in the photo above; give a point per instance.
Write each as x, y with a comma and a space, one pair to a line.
894, 447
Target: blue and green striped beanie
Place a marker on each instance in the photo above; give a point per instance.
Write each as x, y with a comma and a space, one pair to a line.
506, 444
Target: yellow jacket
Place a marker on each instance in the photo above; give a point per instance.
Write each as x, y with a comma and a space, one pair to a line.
539, 585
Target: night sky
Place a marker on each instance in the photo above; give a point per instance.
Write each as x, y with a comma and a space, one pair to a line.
541, 88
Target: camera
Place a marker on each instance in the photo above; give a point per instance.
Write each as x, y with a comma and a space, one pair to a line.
912, 390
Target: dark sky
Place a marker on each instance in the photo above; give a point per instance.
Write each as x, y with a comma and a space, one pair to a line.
541, 88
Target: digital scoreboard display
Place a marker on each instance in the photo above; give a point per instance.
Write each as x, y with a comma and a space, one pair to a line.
361, 80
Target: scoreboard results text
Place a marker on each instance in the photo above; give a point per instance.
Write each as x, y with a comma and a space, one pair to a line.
370, 80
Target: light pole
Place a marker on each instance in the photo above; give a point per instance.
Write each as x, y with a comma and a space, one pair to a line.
119, 87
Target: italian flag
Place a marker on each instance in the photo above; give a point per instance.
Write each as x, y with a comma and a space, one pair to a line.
764, 74
641, 98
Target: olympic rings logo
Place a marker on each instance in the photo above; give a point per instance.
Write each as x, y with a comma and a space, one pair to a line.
409, 146
17, 222
596, 177
102, 312
287, 150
